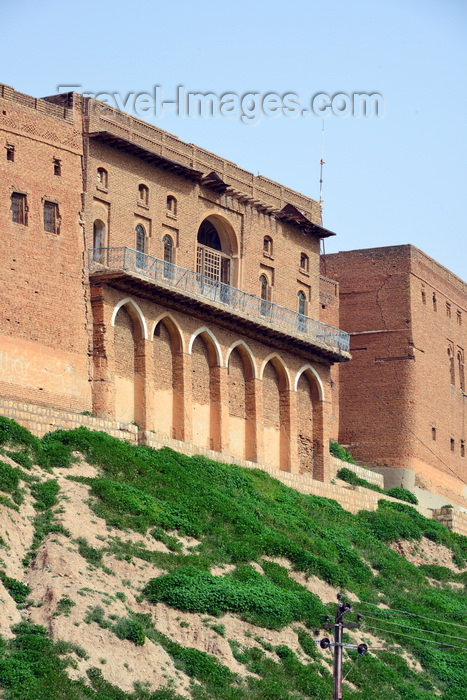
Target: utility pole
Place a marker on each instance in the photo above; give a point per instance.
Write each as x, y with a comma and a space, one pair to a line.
338, 626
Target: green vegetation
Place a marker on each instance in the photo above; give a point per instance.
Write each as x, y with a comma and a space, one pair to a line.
242, 516
396, 492
18, 591
340, 452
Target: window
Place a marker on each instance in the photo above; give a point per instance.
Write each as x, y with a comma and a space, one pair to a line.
301, 311
168, 256
435, 305
102, 178
10, 153
57, 167
423, 296
448, 309
304, 262
265, 291
267, 246
433, 434
98, 241
19, 208
51, 219
460, 368
140, 245
459, 318
211, 261
143, 195
171, 205
462, 448
453, 445
451, 365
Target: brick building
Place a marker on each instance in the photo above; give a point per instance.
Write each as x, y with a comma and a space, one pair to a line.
152, 282
403, 398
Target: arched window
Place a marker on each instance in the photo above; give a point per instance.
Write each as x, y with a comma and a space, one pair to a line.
265, 291
102, 177
98, 240
435, 304
143, 195
301, 311
172, 205
267, 246
168, 256
211, 261
140, 245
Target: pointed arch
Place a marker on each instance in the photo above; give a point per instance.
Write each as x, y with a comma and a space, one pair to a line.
134, 311
316, 378
280, 368
244, 350
174, 329
212, 344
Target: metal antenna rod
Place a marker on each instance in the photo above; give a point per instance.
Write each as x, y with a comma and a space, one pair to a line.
321, 163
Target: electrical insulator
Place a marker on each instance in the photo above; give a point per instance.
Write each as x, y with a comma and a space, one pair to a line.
362, 649
325, 643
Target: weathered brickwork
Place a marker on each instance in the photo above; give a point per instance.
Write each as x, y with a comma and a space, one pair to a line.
43, 325
403, 397
82, 333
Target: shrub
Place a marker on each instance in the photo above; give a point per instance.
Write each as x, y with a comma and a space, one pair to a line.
340, 452
45, 494
18, 591
402, 494
9, 477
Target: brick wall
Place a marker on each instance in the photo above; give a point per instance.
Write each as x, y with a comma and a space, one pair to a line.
401, 403
44, 337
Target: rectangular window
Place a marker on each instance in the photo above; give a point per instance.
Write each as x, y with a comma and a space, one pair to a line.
10, 153
57, 166
448, 309
453, 445
51, 217
18, 208
462, 448
433, 434
459, 318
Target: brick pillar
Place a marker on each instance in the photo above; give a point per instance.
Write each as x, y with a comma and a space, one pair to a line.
294, 465
321, 435
185, 402
144, 384
251, 427
224, 434
258, 390
103, 387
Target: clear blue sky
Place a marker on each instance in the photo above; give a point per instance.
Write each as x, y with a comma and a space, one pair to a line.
387, 181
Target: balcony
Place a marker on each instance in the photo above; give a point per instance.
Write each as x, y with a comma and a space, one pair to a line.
138, 273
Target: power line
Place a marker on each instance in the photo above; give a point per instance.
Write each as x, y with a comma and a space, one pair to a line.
411, 627
421, 639
424, 617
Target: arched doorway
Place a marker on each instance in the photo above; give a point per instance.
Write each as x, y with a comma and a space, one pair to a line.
310, 440
216, 253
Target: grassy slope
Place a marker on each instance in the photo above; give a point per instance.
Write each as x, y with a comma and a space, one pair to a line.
240, 516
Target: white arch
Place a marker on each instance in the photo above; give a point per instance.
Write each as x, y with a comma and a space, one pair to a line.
275, 356
315, 375
129, 302
162, 317
206, 330
247, 350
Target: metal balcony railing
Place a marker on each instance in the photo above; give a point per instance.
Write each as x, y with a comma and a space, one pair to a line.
203, 288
